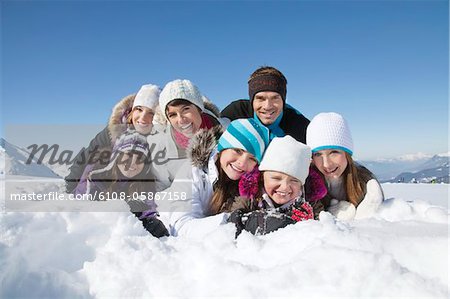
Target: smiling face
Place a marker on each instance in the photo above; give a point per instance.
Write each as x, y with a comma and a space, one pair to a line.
130, 165
281, 187
267, 106
185, 119
142, 118
235, 162
331, 162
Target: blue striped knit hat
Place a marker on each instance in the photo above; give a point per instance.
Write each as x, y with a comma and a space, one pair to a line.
245, 134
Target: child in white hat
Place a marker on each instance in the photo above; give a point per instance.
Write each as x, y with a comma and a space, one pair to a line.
284, 167
353, 189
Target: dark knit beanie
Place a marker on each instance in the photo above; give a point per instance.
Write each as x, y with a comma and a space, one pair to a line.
267, 83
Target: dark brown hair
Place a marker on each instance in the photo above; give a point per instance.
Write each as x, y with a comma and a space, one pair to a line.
225, 190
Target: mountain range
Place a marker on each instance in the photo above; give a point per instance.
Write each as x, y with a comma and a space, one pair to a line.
13, 161
411, 168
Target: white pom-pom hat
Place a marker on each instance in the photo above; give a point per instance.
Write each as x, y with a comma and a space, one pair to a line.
180, 89
147, 96
287, 155
329, 131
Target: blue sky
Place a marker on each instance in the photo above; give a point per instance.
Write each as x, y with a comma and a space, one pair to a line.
382, 64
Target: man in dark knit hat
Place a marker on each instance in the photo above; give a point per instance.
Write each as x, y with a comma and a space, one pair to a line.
267, 105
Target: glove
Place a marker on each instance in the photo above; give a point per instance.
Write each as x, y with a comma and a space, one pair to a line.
343, 210
304, 212
236, 218
263, 222
373, 199
155, 226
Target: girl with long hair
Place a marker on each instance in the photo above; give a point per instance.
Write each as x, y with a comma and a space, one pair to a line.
352, 191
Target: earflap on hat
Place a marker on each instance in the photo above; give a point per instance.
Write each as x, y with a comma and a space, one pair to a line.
245, 134
329, 131
147, 96
287, 155
183, 90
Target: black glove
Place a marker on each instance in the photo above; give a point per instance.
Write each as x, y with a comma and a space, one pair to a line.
261, 222
236, 218
155, 226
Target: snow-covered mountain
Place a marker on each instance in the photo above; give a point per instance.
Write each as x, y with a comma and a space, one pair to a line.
13, 162
387, 170
435, 169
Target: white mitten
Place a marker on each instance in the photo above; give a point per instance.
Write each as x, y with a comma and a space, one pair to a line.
371, 202
344, 210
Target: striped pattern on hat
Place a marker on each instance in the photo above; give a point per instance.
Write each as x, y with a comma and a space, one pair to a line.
329, 131
131, 141
245, 134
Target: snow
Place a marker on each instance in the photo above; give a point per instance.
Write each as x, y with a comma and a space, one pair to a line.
401, 252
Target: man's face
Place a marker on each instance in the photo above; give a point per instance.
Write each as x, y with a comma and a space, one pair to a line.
267, 106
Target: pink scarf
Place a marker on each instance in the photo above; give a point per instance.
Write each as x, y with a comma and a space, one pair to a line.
183, 141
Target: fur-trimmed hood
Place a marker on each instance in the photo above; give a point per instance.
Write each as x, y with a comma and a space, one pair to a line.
117, 123
202, 145
118, 119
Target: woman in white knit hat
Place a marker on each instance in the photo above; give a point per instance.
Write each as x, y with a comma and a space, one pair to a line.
185, 112
352, 188
135, 111
280, 201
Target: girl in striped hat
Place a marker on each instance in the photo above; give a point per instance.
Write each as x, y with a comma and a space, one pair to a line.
352, 190
209, 182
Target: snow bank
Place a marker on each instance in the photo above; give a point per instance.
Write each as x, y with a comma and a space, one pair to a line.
401, 252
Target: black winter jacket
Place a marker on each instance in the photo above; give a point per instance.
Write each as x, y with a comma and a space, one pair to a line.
293, 122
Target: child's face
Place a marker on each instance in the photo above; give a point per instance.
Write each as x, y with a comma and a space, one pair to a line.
185, 119
331, 162
142, 119
130, 165
281, 187
235, 162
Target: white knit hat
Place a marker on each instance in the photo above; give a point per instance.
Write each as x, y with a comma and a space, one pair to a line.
147, 96
329, 131
180, 89
287, 155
